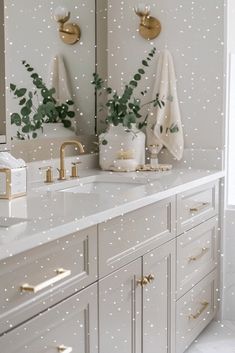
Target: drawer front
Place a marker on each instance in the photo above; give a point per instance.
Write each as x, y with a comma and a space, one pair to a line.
123, 239
196, 206
197, 252
69, 327
194, 311
39, 278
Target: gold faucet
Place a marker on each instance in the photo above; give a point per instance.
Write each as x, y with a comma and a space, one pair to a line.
62, 170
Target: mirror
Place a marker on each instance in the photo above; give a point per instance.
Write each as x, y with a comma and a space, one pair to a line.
48, 81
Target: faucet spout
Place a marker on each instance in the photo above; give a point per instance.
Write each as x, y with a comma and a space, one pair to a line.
62, 170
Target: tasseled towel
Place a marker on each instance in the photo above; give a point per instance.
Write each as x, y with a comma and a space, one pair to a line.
164, 127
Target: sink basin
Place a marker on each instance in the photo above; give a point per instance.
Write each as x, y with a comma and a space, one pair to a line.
106, 185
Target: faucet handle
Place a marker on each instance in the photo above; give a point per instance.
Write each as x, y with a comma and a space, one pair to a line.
74, 170
49, 174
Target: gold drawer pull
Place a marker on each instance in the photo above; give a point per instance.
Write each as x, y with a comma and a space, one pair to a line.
199, 312
199, 207
61, 274
199, 256
63, 349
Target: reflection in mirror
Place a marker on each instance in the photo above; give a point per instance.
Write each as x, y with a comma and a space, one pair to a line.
49, 91
2, 79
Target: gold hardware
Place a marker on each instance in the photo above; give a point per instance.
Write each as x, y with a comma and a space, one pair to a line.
199, 312
60, 274
150, 27
74, 171
199, 256
143, 282
63, 349
8, 194
49, 174
62, 170
199, 207
150, 278
70, 33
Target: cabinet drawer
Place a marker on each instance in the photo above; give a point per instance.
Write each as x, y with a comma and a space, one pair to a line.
194, 311
71, 324
196, 206
123, 239
37, 279
196, 255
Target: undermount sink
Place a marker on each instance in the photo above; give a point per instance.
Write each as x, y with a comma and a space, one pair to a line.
108, 185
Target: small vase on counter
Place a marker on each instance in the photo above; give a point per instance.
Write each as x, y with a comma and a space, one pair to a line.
119, 138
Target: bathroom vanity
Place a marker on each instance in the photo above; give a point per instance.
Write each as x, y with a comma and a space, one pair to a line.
129, 273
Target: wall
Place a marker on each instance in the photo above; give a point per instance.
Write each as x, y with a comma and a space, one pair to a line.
194, 33
229, 258
32, 35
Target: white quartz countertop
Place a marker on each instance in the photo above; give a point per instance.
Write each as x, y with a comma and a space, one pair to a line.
51, 214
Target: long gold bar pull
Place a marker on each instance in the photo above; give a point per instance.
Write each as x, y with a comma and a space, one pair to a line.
199, 207
199, 312
199, 256
61, 274
64, 349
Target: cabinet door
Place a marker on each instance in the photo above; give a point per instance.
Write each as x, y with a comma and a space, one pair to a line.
120, 310
67, 327
159, 300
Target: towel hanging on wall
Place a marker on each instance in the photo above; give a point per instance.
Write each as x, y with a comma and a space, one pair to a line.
58, 79
164, 127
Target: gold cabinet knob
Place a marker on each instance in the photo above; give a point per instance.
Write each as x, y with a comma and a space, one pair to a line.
143, 282
64, 349
150, 278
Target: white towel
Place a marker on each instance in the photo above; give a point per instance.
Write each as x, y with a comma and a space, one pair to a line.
58, 79
164, 126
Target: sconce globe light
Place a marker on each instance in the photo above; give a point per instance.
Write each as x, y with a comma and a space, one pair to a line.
150, 27
70, 33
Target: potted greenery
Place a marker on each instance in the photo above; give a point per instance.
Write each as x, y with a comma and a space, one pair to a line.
38, 107
124, 119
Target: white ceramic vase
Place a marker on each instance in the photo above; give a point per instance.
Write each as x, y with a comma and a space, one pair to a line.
118, 138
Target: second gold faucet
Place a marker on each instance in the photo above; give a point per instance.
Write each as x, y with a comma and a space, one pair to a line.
62, 170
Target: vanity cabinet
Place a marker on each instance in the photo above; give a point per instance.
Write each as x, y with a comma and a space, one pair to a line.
37, 279
69, 327
142, 281
136, 305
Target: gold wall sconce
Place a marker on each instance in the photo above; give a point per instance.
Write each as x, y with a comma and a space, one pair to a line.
150, 27
70, 33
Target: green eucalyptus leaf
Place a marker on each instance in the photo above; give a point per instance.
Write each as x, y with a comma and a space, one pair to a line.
145, 63
15, 119
34, 76
141, 71
70, 102
26, 129
137, 77
22, 101
67, 123
20, 92
25, 111
71, 114
34, 135
12, 87
104, 142
134, 83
